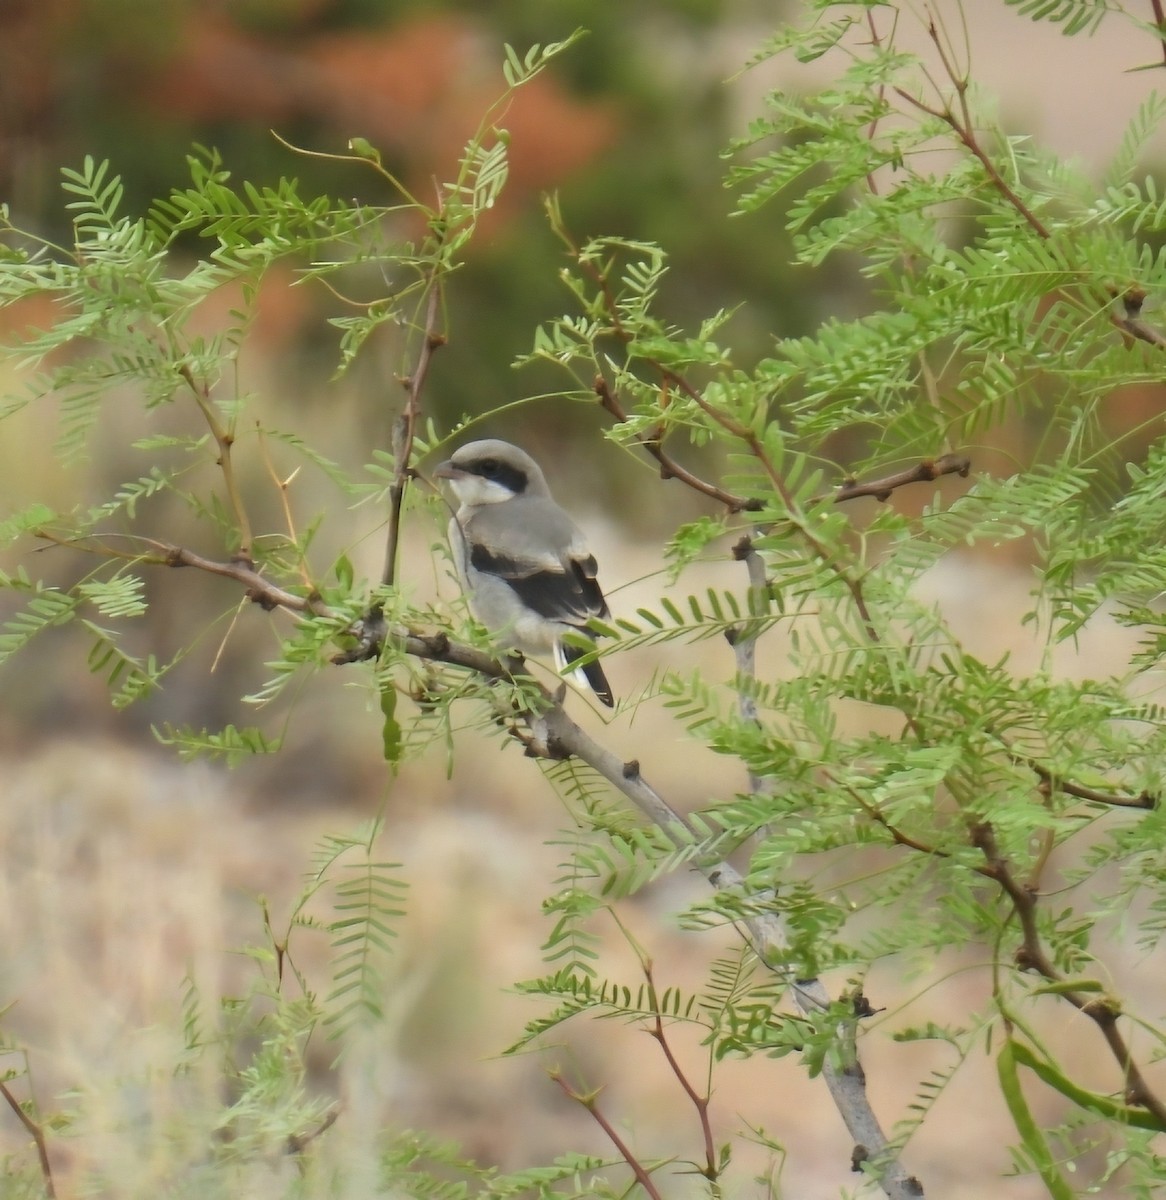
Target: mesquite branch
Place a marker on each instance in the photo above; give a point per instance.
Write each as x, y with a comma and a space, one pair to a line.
653, 443
550, 732
1103, 1011
405, 427
34, 1131
924, 471
224, 440
590, 1101
958, 118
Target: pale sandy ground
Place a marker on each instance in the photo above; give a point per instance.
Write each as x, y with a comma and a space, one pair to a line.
122, 871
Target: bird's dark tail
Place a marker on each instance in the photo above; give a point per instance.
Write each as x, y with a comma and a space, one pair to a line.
591, 672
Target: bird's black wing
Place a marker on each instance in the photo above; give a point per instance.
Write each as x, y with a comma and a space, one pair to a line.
565, 592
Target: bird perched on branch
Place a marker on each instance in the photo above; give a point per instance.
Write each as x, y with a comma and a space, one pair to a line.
523, 563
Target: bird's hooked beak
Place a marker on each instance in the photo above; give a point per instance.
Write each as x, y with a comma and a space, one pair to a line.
448, 470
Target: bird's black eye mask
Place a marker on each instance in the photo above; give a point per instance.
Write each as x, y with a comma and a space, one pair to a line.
511, 478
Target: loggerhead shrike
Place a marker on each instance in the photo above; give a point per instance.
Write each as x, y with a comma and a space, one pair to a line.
523, 563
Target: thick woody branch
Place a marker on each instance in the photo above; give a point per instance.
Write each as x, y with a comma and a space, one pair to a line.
847, 1082
743, 638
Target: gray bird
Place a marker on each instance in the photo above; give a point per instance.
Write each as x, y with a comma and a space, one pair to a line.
523, 563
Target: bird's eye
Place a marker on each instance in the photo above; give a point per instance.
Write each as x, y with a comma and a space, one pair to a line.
489, 467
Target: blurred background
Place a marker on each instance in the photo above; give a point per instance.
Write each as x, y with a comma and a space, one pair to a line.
124, 870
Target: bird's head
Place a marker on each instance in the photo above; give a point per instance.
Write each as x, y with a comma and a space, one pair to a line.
490, 472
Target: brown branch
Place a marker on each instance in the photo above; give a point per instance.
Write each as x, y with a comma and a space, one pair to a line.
1160, 21
38, 1137
746, 435
653, 443
699, 1102
405, 427
257, 589
967, 137
298, 1142
224, 439
924, 471
589, 1100
1032, 956
897, 835
872, 128
963, 127
1145, 800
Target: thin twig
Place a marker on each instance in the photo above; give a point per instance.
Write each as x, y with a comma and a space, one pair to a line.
1145, 800
37, 1134
924, 471
589, 1101
699, 1102
897, 835
405, 427
298, 1142
259, 590
1103, 1011
961, 124
872, 128
283, 486
224, 439
967, 136
653, 443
